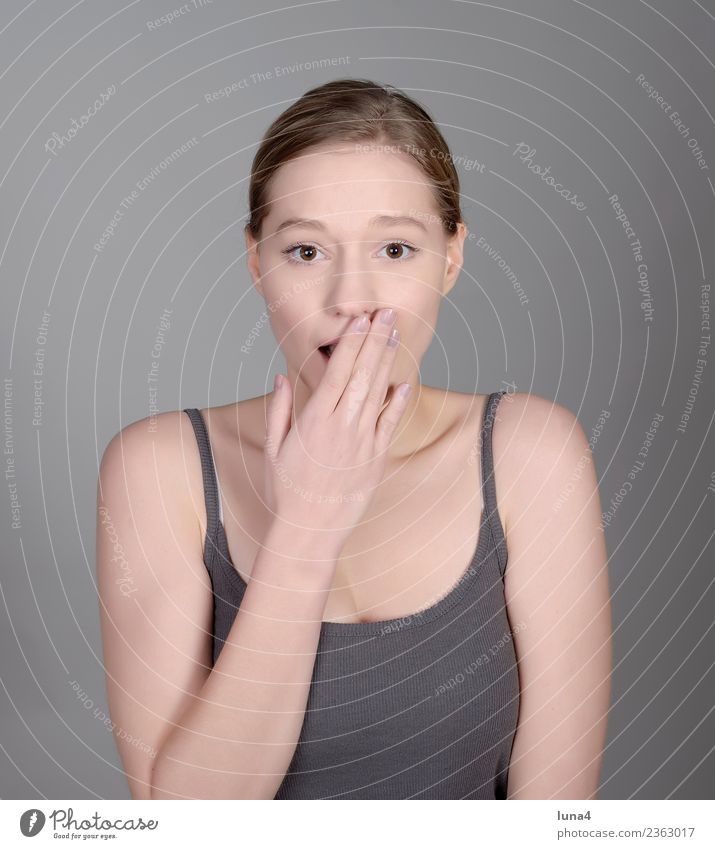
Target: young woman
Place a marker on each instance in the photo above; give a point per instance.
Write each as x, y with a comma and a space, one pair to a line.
322, 606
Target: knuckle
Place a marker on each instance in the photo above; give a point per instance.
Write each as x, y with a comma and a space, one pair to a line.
361, 375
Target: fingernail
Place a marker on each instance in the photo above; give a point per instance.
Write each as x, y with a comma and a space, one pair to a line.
393, 338
361, 323
404, 390
386, 316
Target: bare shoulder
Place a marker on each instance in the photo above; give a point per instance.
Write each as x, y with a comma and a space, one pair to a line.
162, 447
162, 432
527, 421
535, 440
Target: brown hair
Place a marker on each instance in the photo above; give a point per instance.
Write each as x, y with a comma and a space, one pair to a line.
355, 110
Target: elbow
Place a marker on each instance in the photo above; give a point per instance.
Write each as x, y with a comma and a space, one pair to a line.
173, 784
156, 787
160, 783
172, 776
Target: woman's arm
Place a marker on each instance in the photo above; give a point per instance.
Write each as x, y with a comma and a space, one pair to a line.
556, 584
185, 730
237, 736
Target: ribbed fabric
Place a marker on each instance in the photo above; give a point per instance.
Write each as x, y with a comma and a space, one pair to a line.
421, 707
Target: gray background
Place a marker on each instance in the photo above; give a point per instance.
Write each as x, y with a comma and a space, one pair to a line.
560, 76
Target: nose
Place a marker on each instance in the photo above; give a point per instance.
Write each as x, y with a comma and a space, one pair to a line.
347, 312
355, 286
352, 295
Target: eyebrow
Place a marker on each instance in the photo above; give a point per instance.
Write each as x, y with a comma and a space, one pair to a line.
376, 221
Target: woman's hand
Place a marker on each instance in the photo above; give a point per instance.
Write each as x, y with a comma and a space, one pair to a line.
322, 472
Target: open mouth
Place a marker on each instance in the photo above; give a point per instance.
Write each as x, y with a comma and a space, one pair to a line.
327, 350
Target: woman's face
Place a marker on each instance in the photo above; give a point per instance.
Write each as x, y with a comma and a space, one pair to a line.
330, 250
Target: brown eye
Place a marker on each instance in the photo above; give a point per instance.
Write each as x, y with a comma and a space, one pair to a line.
398, 250
307, 252
302, 254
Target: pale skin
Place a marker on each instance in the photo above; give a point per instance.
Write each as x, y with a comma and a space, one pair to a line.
157, 641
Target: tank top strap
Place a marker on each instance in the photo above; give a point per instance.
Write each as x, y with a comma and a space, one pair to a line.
489, 492
211, 491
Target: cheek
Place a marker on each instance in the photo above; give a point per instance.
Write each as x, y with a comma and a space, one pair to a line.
420, 311
417, 322
289, 314
421, 340
416, 334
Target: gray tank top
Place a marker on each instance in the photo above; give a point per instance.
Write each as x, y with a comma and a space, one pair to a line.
420, 707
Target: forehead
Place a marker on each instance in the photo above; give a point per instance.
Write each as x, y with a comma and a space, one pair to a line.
348, 183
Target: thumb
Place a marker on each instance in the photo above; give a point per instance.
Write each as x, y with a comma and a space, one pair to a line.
279, 415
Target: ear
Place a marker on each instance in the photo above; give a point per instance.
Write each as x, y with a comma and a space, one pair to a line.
254, 261
454, 257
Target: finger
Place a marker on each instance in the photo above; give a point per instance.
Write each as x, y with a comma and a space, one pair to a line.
376, 394
366, 367
390, 417
340, 366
